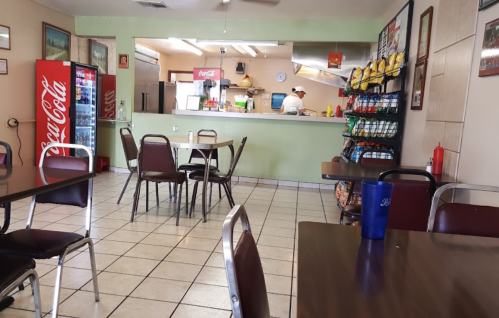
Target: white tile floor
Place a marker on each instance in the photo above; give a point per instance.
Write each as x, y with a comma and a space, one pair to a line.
152, 268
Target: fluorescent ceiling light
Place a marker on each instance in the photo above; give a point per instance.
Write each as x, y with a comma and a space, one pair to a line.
249, 50
235, 42
194, 43
237, 48
145, 50
185, 46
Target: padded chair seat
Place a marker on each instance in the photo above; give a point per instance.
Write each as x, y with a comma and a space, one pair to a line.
163, 177
195, 166
12, 267
40, 244
457, 218
213, 176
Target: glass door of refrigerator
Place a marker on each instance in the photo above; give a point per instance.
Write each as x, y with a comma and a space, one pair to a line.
86, 109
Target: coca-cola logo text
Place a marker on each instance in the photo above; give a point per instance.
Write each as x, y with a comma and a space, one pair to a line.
55, 110
110, 104
206, 73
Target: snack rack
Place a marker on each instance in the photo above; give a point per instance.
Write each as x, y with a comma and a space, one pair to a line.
388, 139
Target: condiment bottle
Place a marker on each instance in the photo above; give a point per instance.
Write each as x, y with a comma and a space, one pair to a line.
338, 111
438, 160
329, 111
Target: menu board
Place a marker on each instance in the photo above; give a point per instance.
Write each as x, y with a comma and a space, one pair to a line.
394, 36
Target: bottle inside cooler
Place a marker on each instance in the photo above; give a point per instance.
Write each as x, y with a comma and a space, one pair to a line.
85, 120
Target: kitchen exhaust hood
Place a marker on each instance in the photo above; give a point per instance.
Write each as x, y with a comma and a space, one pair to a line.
310, 60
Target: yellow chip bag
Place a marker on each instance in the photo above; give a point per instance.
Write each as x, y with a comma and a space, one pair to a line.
398, 64
365, 78
381, 70
391, 64
357, 74
374, 72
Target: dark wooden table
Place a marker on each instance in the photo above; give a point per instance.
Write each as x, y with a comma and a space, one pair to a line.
408, 274
18, 182
357, 172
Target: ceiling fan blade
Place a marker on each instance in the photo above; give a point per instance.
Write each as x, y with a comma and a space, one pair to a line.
264, 2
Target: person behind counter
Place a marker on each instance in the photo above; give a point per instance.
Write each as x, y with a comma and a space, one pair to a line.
294, 103
250, 92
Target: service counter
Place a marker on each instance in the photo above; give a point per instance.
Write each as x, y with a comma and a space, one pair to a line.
279, 147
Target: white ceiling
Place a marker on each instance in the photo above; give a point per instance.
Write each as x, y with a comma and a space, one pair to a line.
237, 9
281, 51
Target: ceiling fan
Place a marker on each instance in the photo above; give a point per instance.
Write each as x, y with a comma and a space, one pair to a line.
223, 5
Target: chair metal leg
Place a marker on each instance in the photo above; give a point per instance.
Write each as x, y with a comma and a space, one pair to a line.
36, 294
229, 196
194, 195
6, 221
147, 196
94, 269
175, 188
186, 196
179, 202
219, 191
57, 288
126, 185
21, 287
211, 192
157, 195
341, 218
136, 197
170, 190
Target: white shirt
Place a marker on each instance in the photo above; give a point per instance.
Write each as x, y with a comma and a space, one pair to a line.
292, 101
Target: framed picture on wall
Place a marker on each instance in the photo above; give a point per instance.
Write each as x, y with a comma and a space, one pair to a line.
3, 67
123, 60
56, 43
418, 86
98, 56
486, 3
425, 23
489, 60
4, 37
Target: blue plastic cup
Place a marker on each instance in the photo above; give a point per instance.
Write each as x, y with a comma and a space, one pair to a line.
376, 199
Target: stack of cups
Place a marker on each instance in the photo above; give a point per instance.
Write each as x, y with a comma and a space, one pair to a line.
376, 199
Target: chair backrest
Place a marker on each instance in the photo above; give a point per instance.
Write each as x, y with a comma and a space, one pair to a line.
129, 145
375, 158
79, 194
236, 157
465, 219
76, 194
156, 156
6, 158
196, 153
411, 200
248, 293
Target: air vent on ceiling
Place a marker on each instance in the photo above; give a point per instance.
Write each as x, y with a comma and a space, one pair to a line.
152, 4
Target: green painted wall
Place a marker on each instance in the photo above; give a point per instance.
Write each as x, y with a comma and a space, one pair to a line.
276, 149
125, 30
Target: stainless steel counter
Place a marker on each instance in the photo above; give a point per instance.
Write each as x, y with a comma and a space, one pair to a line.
260, 116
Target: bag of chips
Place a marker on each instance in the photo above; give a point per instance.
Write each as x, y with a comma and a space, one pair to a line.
373, 77
364, 103
391, 64
379, 128
392, 130
394, 104
372, 129
381, 70
399, 63
364, 83
356, 77
351, 101
384, 103
371, 107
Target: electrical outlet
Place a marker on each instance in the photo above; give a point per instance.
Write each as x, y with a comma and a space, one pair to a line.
175, 128
266, 104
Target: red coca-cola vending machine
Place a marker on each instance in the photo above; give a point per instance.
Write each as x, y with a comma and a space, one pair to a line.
107, 88
66, 106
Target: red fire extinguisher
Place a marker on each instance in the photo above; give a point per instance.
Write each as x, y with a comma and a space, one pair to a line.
438, 160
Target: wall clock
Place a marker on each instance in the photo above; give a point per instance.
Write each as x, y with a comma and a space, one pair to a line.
280, 77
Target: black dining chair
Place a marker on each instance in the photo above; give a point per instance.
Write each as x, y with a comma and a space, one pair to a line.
156, 164
218, 177
243, 267
14, 270
5, 159
45, 244
196, 154
464, 219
